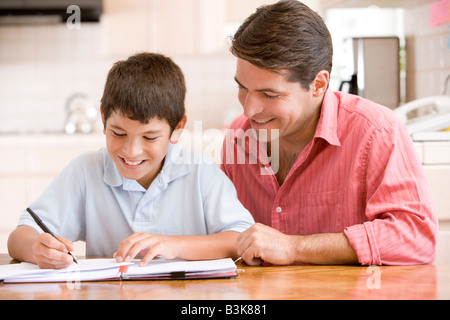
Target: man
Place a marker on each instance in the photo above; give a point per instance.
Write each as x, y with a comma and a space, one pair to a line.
348, 186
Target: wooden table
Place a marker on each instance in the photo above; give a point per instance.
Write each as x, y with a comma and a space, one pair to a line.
260, 283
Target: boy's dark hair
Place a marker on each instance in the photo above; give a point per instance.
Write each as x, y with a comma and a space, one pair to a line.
145, 86
286, 36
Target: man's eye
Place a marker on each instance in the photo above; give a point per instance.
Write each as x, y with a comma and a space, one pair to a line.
270, 97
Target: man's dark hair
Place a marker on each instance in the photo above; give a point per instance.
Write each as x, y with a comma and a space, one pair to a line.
286, 37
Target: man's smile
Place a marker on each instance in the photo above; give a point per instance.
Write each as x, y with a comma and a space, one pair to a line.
261, 122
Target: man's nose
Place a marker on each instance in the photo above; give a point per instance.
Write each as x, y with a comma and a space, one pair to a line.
252, 105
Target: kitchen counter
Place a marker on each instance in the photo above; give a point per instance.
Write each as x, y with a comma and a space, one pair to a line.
26, 154
38, 139
435, 157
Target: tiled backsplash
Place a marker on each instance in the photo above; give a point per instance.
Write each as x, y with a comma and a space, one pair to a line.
428, 55
42, 66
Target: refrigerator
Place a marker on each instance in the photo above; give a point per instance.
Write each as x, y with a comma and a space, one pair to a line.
376, 70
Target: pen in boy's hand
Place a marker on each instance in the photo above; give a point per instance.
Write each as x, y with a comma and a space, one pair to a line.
45, 229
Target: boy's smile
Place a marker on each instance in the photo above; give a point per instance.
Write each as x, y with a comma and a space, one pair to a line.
132, 164
138, 150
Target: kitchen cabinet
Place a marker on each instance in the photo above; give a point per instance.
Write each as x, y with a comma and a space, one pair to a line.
435, 157
28, 163
176, 27
330, 4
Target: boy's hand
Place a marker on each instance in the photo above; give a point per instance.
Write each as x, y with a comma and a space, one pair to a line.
148, 246
49, 253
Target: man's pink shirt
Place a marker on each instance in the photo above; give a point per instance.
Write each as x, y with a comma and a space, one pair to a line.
359, 175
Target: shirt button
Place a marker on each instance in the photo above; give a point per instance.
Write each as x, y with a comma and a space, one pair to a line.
278, 209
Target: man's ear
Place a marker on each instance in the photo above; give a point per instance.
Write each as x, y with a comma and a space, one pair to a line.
320, 83
176, 134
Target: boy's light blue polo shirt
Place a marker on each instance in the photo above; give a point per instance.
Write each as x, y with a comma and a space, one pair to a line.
91, 201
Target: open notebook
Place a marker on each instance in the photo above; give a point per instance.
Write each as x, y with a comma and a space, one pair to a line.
109, 269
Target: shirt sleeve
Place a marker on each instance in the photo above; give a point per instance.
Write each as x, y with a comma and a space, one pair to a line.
227, 145
223, 210
402, 221
60, 206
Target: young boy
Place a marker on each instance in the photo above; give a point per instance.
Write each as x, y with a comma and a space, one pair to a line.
134, 199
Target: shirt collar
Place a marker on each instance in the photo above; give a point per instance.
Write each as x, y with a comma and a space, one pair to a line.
172, 169
327, 126
111, 175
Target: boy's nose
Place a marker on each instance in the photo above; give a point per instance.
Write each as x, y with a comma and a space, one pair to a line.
133, 148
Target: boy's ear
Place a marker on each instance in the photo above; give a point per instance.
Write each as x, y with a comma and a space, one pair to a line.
103, 119
176, 134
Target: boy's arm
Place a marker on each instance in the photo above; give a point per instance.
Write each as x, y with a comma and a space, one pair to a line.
204, 247
213, 246
26, 244
20, 243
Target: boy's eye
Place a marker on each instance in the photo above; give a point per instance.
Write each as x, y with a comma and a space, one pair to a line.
118, 134
150, 139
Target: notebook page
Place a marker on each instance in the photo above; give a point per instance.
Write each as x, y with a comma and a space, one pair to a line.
176, 265
28, 272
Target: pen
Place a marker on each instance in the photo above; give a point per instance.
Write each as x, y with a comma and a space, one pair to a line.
45, 229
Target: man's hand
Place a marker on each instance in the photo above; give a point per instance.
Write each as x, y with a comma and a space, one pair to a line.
261, 243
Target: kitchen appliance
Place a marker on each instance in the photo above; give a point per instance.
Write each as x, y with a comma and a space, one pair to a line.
31, 11
352, 85
81, 114
427, 119
376, 70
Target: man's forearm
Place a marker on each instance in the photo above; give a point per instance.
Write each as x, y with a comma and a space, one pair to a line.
261, 243
325, 248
